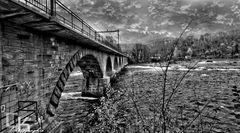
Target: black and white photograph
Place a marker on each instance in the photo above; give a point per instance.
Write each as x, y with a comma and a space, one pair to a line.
119, 66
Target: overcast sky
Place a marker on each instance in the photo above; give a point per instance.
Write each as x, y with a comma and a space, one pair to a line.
141, 20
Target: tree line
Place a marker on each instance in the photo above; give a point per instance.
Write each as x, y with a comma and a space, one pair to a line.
215, 45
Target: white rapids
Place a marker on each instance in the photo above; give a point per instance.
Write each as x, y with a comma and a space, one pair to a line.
202, 65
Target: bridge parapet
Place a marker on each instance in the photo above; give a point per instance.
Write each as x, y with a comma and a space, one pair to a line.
57, 10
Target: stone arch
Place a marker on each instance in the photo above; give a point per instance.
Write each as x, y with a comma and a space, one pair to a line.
109, 69
116, 65
91, 72
90, 66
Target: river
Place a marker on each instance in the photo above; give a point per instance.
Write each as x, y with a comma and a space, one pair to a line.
207, 99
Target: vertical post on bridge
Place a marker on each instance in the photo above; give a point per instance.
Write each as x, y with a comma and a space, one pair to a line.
95, 33
53, 8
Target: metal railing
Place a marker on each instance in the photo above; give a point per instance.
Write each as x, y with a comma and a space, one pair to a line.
41, 5
68, 18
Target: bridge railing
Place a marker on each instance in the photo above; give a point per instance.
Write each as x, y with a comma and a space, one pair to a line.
68, 18
41, 5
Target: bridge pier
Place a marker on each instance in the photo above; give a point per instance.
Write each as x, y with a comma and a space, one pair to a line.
95, 87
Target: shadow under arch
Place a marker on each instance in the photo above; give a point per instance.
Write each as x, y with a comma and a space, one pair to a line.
109, 69
120, 62
116, 63
91, 70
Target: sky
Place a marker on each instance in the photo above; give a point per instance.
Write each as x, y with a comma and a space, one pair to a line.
142, 20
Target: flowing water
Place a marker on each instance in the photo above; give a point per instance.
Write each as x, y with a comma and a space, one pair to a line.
215, 80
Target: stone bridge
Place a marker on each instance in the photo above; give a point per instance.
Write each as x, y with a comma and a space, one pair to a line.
42, 42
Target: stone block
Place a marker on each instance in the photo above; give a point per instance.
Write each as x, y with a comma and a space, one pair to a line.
3, 123
13, 96
57, 92
13, 108
11, 104
60, 85
5, 99
54, 100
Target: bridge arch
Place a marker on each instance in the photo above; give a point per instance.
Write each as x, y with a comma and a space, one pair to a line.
91, 70
109, 69
90, 66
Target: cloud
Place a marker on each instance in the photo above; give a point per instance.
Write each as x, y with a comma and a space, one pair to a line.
142, 31
167, 22
163, 33
184, 9
138, 19
133, 30
136, 25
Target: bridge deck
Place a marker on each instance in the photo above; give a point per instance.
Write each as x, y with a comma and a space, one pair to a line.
35, 16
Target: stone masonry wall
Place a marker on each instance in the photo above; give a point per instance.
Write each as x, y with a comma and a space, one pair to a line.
29, 68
